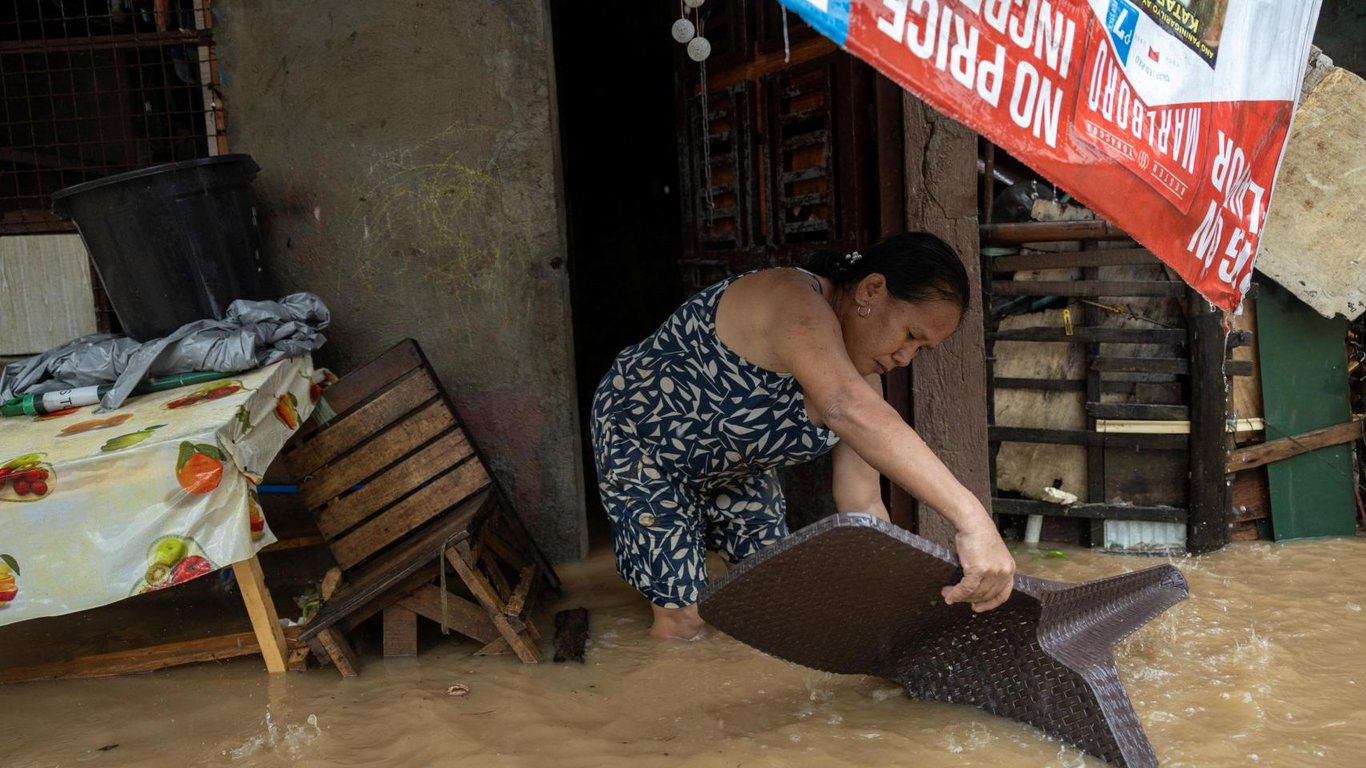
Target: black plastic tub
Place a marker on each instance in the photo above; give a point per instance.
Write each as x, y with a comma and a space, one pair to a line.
172, 243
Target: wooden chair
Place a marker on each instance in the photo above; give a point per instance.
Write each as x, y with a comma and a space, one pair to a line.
400, 491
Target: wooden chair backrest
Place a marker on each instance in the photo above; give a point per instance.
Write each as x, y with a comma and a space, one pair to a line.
393, 460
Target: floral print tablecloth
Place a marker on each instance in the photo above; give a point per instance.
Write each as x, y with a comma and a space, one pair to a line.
98, 507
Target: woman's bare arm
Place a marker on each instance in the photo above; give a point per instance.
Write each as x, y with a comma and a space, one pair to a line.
857, 486
805, 338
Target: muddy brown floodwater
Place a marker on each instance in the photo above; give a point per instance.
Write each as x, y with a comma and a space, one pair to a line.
1264, 665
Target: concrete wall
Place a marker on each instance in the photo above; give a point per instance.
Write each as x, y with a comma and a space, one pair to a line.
410, 178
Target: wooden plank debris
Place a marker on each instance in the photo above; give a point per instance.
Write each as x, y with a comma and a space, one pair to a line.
147, 659
1286, 447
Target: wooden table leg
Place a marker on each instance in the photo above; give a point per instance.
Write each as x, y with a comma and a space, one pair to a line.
262, 611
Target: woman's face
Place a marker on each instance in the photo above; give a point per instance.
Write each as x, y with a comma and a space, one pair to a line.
894, 331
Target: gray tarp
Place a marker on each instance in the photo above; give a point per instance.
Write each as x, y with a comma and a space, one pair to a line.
253, 334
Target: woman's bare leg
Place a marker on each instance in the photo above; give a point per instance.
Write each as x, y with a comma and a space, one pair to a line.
677, 623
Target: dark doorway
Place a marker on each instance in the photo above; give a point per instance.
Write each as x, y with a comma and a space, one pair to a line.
614, 70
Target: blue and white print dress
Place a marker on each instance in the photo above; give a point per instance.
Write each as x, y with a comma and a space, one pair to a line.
686, 438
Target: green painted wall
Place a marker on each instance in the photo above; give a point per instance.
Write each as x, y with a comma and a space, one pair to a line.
1304, 387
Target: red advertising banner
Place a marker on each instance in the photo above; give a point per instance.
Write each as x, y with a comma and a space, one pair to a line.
1166, 117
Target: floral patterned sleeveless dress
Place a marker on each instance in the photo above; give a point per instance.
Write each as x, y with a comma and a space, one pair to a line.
686, 438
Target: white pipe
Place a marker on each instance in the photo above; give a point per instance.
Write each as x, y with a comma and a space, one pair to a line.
1033, 527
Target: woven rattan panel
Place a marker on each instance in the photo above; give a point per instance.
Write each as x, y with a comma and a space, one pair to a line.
854, 595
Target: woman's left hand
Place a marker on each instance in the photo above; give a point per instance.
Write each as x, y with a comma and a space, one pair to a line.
988, 569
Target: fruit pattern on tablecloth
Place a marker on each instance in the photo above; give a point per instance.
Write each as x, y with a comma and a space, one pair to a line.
256, 519
199, 467
90, 425
172, 560
26, 478
9, 581
130, 439
150, 495
214, 390
287, 410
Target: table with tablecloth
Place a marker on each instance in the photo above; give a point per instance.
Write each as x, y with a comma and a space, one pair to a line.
97, 507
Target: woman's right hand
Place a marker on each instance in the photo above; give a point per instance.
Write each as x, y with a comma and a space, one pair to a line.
988, 568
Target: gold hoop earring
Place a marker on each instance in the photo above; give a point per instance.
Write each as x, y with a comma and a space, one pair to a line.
864, 310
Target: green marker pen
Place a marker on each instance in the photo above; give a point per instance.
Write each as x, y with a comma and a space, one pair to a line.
49, 402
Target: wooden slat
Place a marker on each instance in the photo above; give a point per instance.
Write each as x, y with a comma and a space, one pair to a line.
140, 659
483, 592
1092, 511
1286, 447
293, 542
1114, 257
495, 575
494, 648
528, 626
502, 549
1082, 437
420, 578
1250, 495
400, 631
762, 64
1171, 426
1143, 426
389, 569
1071, 385
526, 578
1080, 288
1208, 492
347, 432
264, 621
341, 514
298, 659
1095, 454
1085, 334
522, 540
1055, 385
339, 650
1137, 411
1172, 365
375, 375
358, 466
1240, 338
462, 615
441, 494
1049, 231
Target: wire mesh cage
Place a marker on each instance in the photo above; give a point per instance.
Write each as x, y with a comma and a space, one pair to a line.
90, 88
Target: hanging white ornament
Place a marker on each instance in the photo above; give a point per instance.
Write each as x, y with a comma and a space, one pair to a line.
683, 30
694, 3
699, 49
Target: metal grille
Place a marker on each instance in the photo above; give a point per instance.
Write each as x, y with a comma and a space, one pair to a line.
724, 172
90, 88
803, 147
